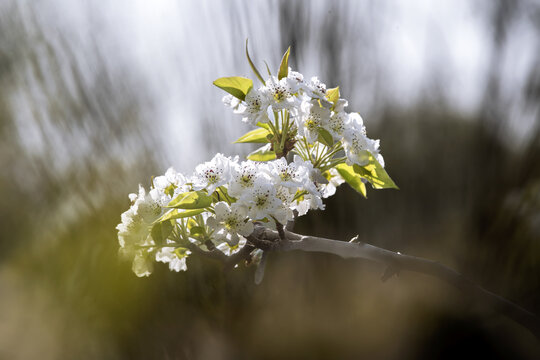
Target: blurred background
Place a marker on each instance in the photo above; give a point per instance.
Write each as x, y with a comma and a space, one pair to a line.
96, 97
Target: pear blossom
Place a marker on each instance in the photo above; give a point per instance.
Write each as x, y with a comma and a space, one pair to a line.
132, 229
311, 175
316, 89
229, 250
356, 143
143, 264
168, 255
254, 108
231, 101
171, 180
285, 210
290, 175
296, 77
148, 205
261, 200
340, 105
334, 181
308, 202
230, 222
282, 93
312, 116
243, 177
212, 174
338, 124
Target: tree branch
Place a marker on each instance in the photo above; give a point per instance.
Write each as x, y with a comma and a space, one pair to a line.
396, 262
228, 261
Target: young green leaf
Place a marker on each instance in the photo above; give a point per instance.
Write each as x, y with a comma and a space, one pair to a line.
254, 136
263, 125
375, 174
161, 231
169, 190
262, 154
191, 200
332, 95
353, 179
253, 67
237, 86
325, 137
284, 66
196, 230
179, 213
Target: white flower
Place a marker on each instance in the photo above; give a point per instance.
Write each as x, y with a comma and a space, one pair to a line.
335, 180
230, 221
339, 122
168, 255
149, 205
243, 177
282, 93
316, 89
340, 105
295, 76
254, 108
291, 175
310, 175
132, 229
261, 200
142, 263
171, 179
212, 174
356, 143
284, 212
231, 249
136, 221
312, 116
231, 101
307, 202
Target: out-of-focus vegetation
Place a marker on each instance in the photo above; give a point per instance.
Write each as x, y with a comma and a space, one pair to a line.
77, 134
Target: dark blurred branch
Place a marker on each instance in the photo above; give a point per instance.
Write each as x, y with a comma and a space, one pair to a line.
228, 261
395, 262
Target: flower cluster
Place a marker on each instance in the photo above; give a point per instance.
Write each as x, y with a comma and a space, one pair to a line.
311, 109
233, 195
218, 207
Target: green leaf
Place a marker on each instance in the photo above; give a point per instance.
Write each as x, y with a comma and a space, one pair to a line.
332, 95
191, 223
262, 154
191, 200
178, 214
352, 178
170, 190
161, 231
253, 67
221, 194
325, 137
263, 125
237, 86
254, 136
196, 230
375, 174
284, 66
